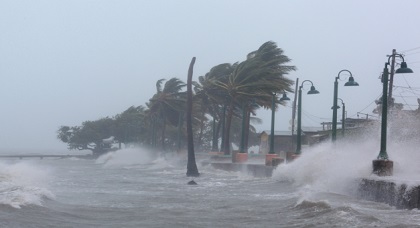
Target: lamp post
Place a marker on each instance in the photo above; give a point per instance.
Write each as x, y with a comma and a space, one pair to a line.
273, 111
299, 120
382, 166
351, 82
343, 116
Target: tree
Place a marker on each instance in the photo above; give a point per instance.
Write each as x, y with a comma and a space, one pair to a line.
92, 135
130, 127
166, 105
258, 77
208, 96
192, 170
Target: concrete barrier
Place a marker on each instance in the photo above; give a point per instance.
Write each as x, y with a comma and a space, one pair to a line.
399, 195
256, 170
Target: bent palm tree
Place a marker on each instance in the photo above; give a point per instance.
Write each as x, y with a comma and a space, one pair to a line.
192, 170
258, 77
167, 104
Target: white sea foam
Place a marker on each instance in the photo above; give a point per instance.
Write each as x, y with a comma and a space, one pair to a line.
338, 168
23, 184
330, 168
126, 157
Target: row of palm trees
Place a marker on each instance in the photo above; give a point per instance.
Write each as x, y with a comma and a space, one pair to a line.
222, 97
223, 101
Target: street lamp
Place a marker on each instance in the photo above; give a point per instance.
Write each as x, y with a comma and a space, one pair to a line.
382, 166
299, 120
273, 110
343, 116
351, 82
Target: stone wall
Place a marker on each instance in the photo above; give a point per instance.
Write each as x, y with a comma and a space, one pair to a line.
388, 192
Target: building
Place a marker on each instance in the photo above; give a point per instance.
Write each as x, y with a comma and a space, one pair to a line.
285, 141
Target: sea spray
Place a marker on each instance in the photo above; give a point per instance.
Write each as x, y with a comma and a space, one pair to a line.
126, 157
24, 183
329, 168
139, 157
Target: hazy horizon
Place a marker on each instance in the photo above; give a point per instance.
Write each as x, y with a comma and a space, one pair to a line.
71, 61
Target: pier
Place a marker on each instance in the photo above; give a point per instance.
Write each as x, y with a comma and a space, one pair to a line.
42, 156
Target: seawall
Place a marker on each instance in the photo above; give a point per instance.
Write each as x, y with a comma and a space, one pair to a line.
401, 195
256, 170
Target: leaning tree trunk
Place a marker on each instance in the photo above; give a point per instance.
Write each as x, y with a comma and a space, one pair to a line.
226, 146
192, 170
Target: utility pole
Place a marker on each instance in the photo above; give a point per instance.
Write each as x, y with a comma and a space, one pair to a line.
391, 78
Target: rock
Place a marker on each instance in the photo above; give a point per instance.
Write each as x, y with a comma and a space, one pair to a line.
192, 182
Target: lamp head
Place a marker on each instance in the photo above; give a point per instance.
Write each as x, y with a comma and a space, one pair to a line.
284, 97
313, 90
403, 69
336, 107
351, 82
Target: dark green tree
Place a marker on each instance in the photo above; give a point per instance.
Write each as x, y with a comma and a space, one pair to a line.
91, 135
130, 126
166, 105
255, 79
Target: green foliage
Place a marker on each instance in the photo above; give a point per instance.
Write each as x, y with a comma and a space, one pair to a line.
248, 84
125, 128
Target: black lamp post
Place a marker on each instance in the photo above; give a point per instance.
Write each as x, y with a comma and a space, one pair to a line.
343, 116
299, 120
351, 82
383, 166
273, 111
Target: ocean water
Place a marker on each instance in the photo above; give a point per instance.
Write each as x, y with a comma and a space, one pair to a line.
134, 188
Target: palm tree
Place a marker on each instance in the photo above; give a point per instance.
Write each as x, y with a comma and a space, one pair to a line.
167, 104
192, 170
205, 95
258, 77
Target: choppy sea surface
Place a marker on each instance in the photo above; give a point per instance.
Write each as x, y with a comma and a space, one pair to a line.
132, 188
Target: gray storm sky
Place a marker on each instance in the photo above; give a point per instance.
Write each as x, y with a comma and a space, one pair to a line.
65, 62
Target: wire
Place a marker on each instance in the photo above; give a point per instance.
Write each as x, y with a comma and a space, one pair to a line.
412, 53
311, 118
411, 49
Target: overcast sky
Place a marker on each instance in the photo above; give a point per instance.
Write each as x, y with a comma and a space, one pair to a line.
65, 62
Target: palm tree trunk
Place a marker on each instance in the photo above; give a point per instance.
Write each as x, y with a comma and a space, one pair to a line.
248, 117
200, 137
226, 146
163, 133
223, 123
214, 146
192, 170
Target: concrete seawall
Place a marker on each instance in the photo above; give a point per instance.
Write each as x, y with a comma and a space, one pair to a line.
399, 195
256, 170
